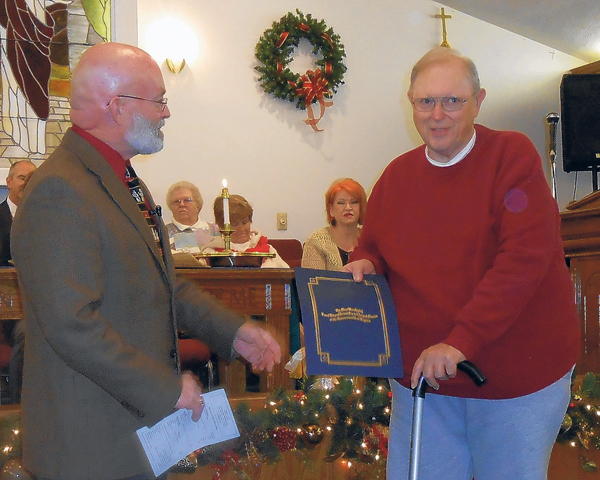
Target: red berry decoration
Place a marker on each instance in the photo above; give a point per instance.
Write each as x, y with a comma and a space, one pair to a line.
300, 396
284, 438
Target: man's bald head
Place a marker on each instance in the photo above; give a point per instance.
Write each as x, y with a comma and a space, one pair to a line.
18, 175
103, 73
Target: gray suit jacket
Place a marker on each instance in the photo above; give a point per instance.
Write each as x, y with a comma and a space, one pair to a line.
101, 313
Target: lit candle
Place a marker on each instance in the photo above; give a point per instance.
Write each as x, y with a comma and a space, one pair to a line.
225, 195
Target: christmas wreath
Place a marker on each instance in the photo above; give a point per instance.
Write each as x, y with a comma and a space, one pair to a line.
275, 51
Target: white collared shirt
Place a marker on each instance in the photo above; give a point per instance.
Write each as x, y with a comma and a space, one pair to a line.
11, 206
459, 156
199, 225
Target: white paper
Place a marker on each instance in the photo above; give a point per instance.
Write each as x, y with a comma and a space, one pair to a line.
177, 435
186, 242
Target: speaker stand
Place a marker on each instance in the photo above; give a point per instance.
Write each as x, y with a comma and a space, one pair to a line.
594, 178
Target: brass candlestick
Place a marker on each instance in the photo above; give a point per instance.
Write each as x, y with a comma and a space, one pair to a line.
226, 232
229, 257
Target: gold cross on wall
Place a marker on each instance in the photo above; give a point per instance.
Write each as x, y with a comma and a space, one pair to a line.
443, 16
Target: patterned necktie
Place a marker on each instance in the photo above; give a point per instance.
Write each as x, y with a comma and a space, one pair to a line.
133, 182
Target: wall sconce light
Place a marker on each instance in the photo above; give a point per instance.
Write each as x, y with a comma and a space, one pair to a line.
175, 65
173, 41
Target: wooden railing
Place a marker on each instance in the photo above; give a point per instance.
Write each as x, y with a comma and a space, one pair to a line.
264, 294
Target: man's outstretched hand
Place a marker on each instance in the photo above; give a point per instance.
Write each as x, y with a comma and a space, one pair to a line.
257, 346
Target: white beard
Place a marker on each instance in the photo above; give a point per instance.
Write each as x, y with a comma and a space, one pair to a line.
145, 137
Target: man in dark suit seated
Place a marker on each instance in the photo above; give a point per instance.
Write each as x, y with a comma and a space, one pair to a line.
17, 174
12, 336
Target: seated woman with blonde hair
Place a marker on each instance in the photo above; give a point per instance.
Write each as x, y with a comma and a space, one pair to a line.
329, 248
243, 238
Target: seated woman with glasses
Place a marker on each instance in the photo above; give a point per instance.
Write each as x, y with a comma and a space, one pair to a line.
243, 238
188, 232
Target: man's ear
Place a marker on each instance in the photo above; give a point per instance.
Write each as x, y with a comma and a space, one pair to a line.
480, 97
116, 110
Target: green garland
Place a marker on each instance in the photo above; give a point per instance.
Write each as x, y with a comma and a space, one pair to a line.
10, 438
581, 425
274, 52
358, 422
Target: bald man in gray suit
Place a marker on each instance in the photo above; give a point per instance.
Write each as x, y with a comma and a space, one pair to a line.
102, 303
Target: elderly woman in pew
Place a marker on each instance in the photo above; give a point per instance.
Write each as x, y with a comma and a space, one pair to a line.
188, 231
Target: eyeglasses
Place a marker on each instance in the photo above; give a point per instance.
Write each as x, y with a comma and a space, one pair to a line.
184, 201
162, 102
450, 104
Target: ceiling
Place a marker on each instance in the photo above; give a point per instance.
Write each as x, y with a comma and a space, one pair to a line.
570, 26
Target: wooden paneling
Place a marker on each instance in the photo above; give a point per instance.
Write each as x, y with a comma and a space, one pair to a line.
580, 229
593, 67
10, 298
263, 293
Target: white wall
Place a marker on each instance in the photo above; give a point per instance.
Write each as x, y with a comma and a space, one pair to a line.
224, 126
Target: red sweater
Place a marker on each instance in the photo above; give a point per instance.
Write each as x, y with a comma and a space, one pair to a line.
474, 259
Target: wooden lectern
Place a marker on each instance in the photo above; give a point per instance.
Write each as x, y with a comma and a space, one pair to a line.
580, 230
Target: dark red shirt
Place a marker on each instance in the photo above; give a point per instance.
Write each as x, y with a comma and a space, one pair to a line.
114, 158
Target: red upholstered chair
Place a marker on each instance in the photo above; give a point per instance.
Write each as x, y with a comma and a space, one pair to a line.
5, 354
196, 357
192, 352
289, 249
5, 349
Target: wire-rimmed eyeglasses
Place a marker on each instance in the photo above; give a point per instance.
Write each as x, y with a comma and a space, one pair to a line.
162, 102
182, 201
450, 104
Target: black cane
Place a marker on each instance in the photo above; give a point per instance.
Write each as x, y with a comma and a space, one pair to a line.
417, 419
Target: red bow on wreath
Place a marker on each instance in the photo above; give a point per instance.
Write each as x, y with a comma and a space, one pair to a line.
314, 85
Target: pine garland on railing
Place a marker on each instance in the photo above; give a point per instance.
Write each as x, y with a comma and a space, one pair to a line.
581, 425
355, 420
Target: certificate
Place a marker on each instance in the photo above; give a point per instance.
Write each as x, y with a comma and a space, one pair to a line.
350, 328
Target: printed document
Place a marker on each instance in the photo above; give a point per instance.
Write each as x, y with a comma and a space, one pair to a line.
176, 436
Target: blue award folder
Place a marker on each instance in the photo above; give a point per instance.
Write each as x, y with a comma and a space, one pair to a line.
349, 328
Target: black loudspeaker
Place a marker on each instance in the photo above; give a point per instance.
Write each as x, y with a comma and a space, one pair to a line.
580, 112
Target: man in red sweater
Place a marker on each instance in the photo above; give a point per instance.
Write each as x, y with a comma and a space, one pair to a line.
467, 232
